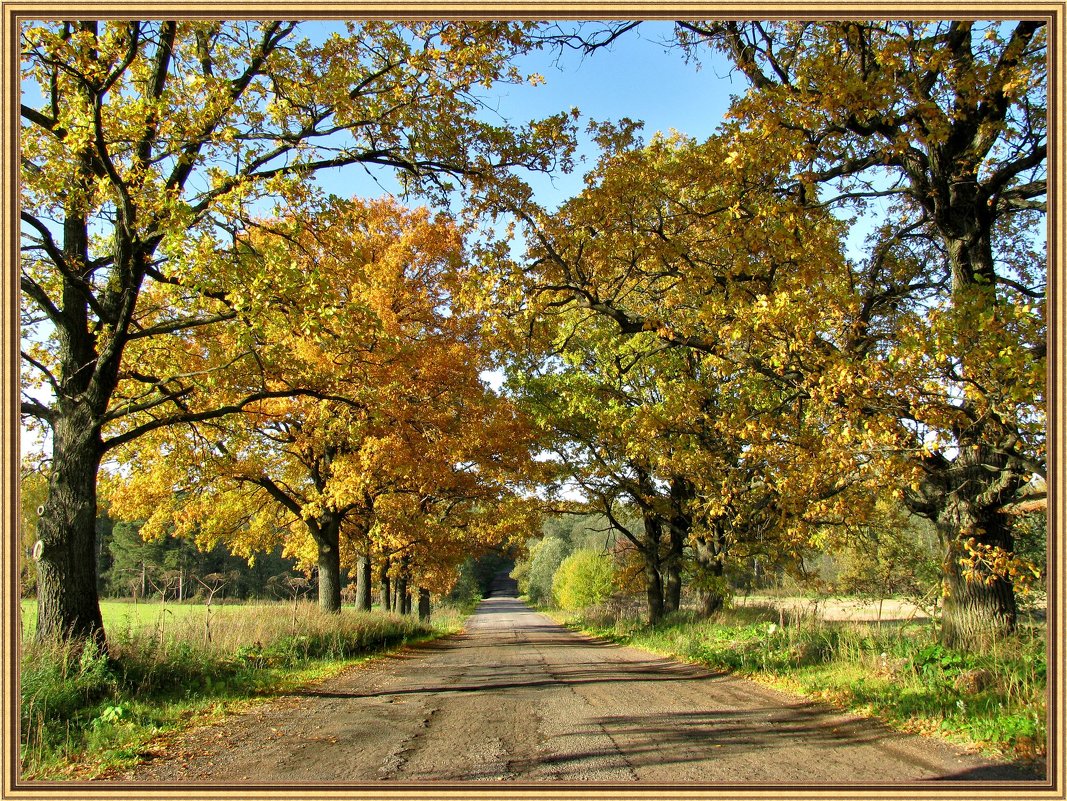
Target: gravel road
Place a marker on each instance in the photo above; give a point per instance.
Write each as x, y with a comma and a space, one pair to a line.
519, 698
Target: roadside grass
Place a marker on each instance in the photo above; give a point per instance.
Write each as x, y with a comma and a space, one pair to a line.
86, 715
995, 700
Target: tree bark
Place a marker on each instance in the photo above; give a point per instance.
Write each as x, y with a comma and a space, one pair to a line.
653, 593
653, 533
329, 567
710, 561
978, 606
384, 596
68, 602
363, 582
678, 529
403, 595
974, 613
424, 604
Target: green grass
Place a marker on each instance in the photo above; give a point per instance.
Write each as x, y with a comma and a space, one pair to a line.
88, 715
995, 700
132, 616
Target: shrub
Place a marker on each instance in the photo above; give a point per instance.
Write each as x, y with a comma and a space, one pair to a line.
583, 579
545, 559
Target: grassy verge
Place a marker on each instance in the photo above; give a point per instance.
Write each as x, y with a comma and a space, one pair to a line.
86, 715
994, 701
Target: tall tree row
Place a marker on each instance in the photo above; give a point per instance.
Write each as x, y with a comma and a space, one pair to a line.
747, 339
916, 360
398, 449
147, 150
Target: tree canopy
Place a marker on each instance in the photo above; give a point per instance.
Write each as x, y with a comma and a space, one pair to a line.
744, 345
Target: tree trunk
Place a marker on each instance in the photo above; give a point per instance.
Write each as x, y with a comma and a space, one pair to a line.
363, 582
977, 607
424, 604
68, 603
973, 486
329, 567
649, 548
384, 596
653, 593
711, 602
672, 585
403, 596
711, 565
678, 528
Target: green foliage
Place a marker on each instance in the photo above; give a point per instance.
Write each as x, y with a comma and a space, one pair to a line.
1031, 543
136, 567
467, 591
579, 530
583, 579
545, 558
893, 554
561, 535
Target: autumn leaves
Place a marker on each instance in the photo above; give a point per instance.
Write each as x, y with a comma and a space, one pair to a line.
747, 339
389, 445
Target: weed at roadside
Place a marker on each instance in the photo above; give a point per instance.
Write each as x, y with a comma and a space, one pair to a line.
83, 712
995, 700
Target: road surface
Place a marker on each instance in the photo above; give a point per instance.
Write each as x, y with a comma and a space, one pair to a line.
519, 698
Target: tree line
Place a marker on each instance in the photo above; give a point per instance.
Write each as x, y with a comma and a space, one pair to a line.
225, 352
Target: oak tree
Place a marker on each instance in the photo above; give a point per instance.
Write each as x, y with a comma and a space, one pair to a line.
146, 149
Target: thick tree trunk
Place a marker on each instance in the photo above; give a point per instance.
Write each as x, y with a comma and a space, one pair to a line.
653, 533
979, 605
712, 569
384, 596
672, 584
653, 593
363, 582
424, 604
678, 529
68, 604
329, 567
711, 601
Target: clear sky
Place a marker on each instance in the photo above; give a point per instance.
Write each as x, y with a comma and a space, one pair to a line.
640, 77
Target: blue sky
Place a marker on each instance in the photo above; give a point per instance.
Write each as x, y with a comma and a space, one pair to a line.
639, 78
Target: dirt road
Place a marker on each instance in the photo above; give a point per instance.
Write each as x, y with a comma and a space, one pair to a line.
518, 698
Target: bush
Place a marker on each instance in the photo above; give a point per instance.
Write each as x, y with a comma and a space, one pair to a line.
584, 578
467, 591
535, 580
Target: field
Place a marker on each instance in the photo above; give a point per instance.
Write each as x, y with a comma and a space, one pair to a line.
123, 615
